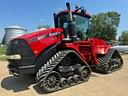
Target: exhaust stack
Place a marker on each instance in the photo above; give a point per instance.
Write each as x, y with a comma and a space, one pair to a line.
71, 24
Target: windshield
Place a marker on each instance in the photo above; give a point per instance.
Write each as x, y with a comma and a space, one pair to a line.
82, 24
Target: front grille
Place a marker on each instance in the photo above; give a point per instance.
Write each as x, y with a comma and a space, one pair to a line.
19, 46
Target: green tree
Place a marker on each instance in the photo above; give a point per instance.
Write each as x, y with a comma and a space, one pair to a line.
104, 25
123, 39
43, 26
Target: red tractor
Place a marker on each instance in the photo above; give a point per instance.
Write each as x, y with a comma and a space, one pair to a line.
63, 56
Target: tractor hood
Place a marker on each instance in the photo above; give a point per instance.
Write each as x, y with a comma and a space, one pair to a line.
37, 35
40, 40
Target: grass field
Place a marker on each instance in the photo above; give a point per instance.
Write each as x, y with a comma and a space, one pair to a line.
2, 54
2, 51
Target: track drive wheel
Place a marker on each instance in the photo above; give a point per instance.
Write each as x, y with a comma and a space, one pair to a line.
51, 82
85, 73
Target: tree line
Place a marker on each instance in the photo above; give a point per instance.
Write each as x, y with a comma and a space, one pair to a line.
123, 39
105, 25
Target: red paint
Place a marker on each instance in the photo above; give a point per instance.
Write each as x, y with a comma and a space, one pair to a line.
39, 45
88, 49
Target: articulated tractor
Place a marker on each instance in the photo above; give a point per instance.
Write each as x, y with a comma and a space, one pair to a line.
63, 56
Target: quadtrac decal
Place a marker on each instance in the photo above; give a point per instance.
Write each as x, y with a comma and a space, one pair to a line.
44, 36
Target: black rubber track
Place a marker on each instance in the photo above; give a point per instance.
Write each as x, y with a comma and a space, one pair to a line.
52, 63
106, 66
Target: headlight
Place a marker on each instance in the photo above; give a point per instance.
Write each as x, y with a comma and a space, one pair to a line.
13, 57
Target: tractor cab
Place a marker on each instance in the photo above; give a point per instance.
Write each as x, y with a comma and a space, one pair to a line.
79, 17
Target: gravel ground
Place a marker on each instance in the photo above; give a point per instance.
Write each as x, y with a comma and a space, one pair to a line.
115, 84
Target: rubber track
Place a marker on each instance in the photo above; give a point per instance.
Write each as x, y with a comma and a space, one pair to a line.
105, 60
107, 57
51, 64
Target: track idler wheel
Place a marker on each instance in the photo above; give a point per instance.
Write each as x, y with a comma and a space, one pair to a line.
77, 78
85, 73
51, 82
71, 80
64, 82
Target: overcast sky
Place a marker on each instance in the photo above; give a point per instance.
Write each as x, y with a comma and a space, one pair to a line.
31, 13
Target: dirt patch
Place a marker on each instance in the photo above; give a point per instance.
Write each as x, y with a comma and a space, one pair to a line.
115, 84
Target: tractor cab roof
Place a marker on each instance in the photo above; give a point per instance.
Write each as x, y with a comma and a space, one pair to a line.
74, 12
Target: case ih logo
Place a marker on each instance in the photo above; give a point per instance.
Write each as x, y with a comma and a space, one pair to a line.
44, 36
54, 34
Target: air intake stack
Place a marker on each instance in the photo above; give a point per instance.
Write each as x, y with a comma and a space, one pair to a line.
71, 24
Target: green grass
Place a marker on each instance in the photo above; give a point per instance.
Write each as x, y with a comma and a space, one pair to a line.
3, 58
2, 53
